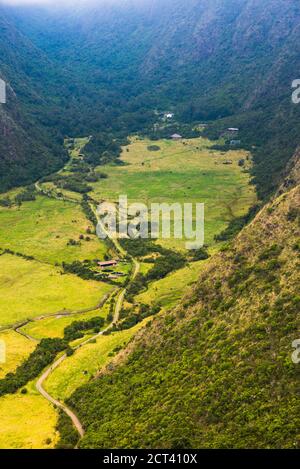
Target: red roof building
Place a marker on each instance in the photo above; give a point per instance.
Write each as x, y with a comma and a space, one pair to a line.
111, 263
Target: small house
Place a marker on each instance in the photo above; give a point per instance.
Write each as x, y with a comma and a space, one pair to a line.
176, 137
105, 264
233, 129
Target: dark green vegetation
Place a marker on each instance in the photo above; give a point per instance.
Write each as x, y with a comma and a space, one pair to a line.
217, 371
30, 142
85, 269
42, 356
45, 353
230, 60
132, 316
77, 328
166, 261
68, 434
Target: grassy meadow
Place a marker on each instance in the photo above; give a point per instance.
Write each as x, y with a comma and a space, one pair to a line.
29, 289
183, 171
169, 291
43, 228
86, 362
18, 348
27, 421
54, 326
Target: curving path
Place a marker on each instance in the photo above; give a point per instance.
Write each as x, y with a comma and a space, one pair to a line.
39, 385
119, 303
41, 390
52, 400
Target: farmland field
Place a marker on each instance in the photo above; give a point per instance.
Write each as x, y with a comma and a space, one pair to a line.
17, 349
54, 326
43, 229
29, 289
184, 171
27, 422
86, 362
169, 290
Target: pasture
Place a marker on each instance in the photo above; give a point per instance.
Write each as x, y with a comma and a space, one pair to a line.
27, 422
54, 326
186, 171
43, 229
29, 289
86, 362
18, 348
168, 291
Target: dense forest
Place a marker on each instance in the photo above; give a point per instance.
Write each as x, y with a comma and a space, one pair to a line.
219, 64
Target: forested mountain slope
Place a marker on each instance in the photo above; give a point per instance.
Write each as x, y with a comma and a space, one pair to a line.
30, 144
217, 371
206, 60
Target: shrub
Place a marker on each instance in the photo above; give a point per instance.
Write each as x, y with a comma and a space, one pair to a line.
153, 148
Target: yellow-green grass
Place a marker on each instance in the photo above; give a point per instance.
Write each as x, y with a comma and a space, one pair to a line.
43, 228
185, 171
17, 347
29, 289
27, 421
12, 193
79, 144
145, 267
54, 326
86, 362
124, 268
51, 190
168, 291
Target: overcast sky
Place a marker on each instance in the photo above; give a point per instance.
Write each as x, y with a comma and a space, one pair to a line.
35, 2
25, 2
54, 2
61, 2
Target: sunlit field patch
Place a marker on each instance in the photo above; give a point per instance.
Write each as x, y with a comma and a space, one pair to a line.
54, 326
17, 349
168, 291
43, 229
84, 364
29, 289
187, 171
27, 422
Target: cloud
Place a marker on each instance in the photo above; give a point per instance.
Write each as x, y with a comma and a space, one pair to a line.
68, 3
25, 2
42, 2
55, 2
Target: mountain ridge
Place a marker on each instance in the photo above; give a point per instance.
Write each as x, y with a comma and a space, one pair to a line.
232, 60
216, 371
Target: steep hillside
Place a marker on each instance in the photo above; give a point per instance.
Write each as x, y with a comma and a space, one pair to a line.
217, 371
206, 60
29, 145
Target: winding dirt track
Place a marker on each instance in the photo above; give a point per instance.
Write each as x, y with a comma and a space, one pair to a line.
39, 385
41, 390
46, 374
